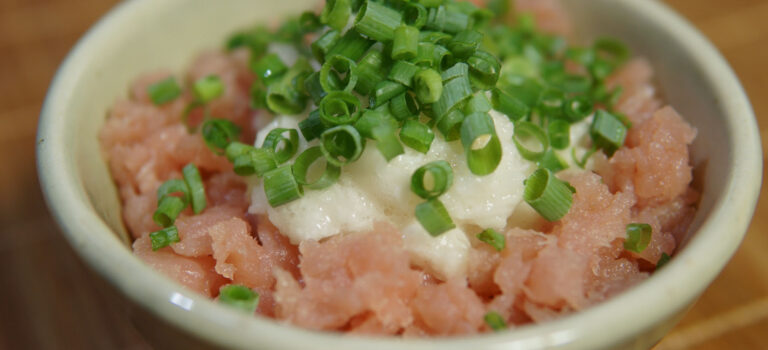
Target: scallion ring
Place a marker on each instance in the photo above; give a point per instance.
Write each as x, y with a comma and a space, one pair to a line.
432, 179
283, 147
304, 164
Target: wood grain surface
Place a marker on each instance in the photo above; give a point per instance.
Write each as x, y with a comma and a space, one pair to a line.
50, 300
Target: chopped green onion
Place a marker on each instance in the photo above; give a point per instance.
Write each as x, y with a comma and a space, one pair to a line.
638, 237
548, 195
450, 125
495, 321
481, 144
208, 88
570, 83
607, 132
281, 187
269, 68
663, 260
611, 49
351, 45
430, 3
377, 21
552, 161
370, 71
406, 43
239, 297
438, 175
235, 149
415, 14
434, 217
258, 96
435, 18
303, 164
196, 188
459, 70
341, 144
583, 161
312, 126
428, 86
218, 133
386, 90
164, 91
256, 161
455, 92
324, 44
283, 147
283, 96
403, 72
441, 57
526, 90
583, 56
465, 43
164, 237
578, 107
455, 21
601, 69
174, 186
559, 132
337, 66
315, 90
434, 38
256, 40
387, 142
484, 70
426, 55
168, 209
404, 106
495, 239
505, 103
530, 140
417, 135
371, 119
551, 103
339, 107
336, 13
309, 22
478, 103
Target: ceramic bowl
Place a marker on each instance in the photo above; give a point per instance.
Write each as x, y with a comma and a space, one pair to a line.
142, 35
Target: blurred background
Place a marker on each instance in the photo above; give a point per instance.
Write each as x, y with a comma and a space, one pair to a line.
50, 300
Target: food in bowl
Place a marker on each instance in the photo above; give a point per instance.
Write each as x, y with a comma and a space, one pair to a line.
419, 168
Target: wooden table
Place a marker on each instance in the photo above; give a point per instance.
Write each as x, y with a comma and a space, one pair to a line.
49, 299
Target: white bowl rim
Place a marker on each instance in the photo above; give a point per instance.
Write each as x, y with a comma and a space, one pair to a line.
683, 278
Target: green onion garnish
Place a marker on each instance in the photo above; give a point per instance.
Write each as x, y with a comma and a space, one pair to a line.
312, 126
303, 166
208, 88
415, 14
351, 45
404, 106
339, 107
432, 179
607, 132
449, 125
484, 70
269, 68
552, 161
370, 71
663, 260
323, 45
218, 133
341, 144
530, 140
283, 95
336, 13
406, 43
168, 210
505, 103
428, 86
283, 147
403, 72
196, 188
434, 217
174, 186
417, 135
333, 69
164, 91
478, 103
551, 103
281, 187
578, 107
377, 21
548, 195
465, 43
495, 239
455, 92
386, 90
481, 144
256, 161
164, 237
239, 297
559, 132
495, 321
638, 237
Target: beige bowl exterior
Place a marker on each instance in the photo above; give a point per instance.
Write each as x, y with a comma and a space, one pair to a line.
142, 35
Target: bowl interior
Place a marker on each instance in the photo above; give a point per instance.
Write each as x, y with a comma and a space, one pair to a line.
144, 35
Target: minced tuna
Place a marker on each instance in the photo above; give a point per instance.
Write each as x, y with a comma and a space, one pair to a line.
369, 282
